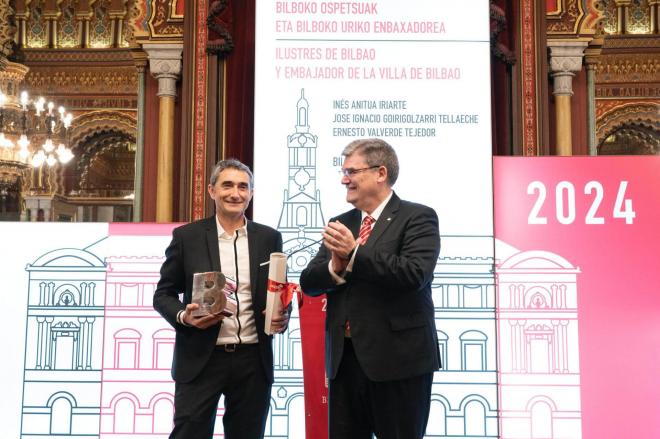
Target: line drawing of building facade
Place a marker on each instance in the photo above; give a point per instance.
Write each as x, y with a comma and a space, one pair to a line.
539, 369
64, 330
98, 357
464, 394
137, 393
121, 387
137, 389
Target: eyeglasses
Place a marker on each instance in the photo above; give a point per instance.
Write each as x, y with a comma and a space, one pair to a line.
351, 172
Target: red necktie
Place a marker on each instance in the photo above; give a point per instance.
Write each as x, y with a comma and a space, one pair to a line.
365, 228
363, 235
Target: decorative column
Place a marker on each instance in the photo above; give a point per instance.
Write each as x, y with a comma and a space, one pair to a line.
622, 7
83, 18
531, 121
116, 27
140, 59
654, 15
51, 28
565, 60
21, 17
591, 59
165, 65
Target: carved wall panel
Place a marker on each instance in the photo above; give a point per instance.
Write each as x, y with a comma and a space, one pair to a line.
86, 88
92, 80
627, 89
7, 31
610, 19
106, 165
628, 68
88, 124
631, 139
632, 114
68, 32
100, 28
594, 15
639, 17
104, 144
36, 26
165, 22
566, 19
636, 16
88, 22
137, 24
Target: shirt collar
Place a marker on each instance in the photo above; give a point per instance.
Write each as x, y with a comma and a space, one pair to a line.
376, 213
242, 231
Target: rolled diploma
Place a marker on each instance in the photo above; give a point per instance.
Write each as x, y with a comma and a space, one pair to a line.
276, 286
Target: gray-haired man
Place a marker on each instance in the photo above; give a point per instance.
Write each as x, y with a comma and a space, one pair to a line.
214, 356
376, 267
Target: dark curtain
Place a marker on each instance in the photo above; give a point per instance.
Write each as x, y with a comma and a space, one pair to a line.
239, 86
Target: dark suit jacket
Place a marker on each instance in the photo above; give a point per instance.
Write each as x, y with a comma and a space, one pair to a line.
387, 297
194, 249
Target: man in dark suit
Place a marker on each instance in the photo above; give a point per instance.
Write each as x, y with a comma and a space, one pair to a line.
214, 356
376, 267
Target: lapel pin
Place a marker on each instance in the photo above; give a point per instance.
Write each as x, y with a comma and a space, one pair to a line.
389, 219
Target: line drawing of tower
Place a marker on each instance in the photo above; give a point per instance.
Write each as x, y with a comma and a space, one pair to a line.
464, 394
301, 223
539, 371
64, 345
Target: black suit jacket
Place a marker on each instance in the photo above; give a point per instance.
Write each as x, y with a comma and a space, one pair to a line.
194, 249
387, 296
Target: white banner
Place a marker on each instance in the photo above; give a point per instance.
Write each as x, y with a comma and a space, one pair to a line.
414, 73
417, 74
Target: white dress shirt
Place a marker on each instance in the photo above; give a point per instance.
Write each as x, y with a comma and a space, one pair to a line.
230, 330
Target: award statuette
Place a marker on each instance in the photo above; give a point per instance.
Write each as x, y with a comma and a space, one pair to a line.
213, 294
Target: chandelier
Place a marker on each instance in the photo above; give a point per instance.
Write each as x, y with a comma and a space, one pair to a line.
33, 131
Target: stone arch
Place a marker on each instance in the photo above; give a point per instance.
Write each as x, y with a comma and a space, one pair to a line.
112, 145
97, 139
637, 119
92, 122
632, 139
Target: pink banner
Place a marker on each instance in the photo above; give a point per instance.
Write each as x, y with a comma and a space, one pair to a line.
591, 226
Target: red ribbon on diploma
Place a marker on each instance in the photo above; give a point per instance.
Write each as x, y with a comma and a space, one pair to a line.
287, 289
